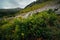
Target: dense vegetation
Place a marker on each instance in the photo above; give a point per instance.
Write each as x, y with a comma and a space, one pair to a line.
44, 25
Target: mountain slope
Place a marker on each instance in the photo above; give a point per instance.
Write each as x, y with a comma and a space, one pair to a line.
36, 2
37, 5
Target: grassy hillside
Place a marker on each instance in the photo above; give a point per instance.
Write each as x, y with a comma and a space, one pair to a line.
36, 5
44, 25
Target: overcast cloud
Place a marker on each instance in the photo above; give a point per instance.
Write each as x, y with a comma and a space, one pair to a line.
14, 3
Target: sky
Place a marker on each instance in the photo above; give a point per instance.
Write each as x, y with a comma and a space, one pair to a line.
5, 4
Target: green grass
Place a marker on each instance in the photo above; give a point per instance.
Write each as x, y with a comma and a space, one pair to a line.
34, 7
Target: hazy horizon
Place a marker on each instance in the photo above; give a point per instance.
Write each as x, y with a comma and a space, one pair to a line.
6, 4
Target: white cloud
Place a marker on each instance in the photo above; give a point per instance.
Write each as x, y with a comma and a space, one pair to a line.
14, 3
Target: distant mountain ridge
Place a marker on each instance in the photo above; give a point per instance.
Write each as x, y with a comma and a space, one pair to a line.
10, 10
